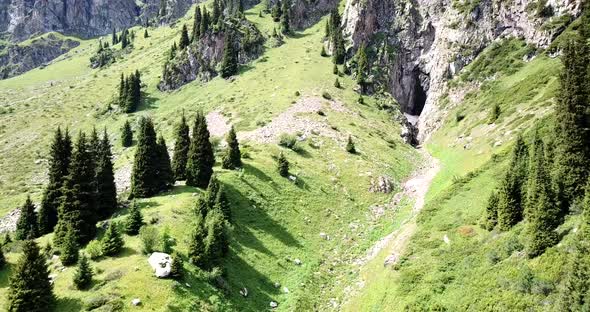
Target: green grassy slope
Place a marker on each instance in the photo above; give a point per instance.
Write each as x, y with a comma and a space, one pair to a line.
276, 220
451, 264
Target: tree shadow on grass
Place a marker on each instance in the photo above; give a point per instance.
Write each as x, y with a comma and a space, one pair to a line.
125, 252
67, 304
298, 35
5, 275
147, 102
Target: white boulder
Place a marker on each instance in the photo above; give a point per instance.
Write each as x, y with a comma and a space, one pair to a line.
161, 263
273, 305
136, 302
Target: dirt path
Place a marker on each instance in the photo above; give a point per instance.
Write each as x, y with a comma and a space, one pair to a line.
415, 189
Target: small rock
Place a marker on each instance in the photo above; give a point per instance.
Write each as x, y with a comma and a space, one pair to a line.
446, 239
55, 258
297, 261
292, 178
187, 285
285, 290
273, 305
277, 285
136, 302
324, 236
244, 292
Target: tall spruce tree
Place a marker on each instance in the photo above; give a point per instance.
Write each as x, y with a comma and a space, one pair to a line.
512, 191
59, 161
575, 287
184, 40
362, 70
126, 135
283, 165
26, 226
232, 158
115, 38
229, 62
105, 179
78, 208
112, 242
177, 266
572, 163
204, 27
165, 174
69, 249
29, 287
196, 246
338, 50
285, 19
196, 24
83, 276
200, 162
134, 220
542, 211
181, 147
216, 241
144, 176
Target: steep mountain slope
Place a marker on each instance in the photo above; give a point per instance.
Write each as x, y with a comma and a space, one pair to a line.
277, 221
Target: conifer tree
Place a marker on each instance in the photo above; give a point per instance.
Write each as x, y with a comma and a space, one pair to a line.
2, 259
177, 266
490, 218
78, 207
285, 20
134, 220
542, 211
512, 191
229, 62
173, 50
216, 242
215, 198
337, 38
69, 248
350, 146
94, 145
146, 34
323, 53
181, 147
232, 158
105, 179
83, 276
572, 163
200, 162
574, 288
126, 135
184, 40
114, 39
144, 179
222, 204
196, 247
276, 12
201, 206
216, 14
196, 24
112, 242
204, 27
363, 68
26, 226
29, 287
165, 174
337, 84
124, 38
59, 161
283, 165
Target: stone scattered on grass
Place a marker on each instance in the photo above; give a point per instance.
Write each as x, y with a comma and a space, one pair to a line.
244, 292
273, 305
297, 261
136, 302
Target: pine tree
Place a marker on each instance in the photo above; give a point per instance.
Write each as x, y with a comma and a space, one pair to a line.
146, 34
173, 50
283, 165
60, 156
490, 218
285, 21
69, 248
124, 39
204, 27
196, 24
542, 211
216, 15
212, 190
177, 267
229, 62
362, 69
276, 12
201, 206
184, 40
572, 164
232, 158
574, 288
181, 147
216, 242
2, 259
335, 70
94, 145
26, 226
337, 84
222, 204
29, 287
78, 207
512, 191
350, 146
323, 53
165, 174
144, 179
105, 179
196, 246
200, 162
338, 51
126, 135
112, 242
114, 39
134, 220
83, 276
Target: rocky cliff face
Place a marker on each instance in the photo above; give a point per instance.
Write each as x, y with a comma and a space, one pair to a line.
200, 60
21, 19
420, 44
17, 59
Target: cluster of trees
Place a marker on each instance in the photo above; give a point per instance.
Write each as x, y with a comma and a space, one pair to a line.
130, 92
280, 12
335, 37
546, 178
103, 57
125, 38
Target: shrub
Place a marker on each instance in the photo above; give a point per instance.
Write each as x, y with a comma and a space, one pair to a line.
337, 84
150, 239
94, 249
83, 275
288, 141
494, 113
326, 95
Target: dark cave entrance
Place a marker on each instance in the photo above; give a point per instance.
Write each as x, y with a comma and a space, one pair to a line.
419, 99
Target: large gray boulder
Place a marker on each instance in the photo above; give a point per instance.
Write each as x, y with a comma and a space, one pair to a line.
161, 263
